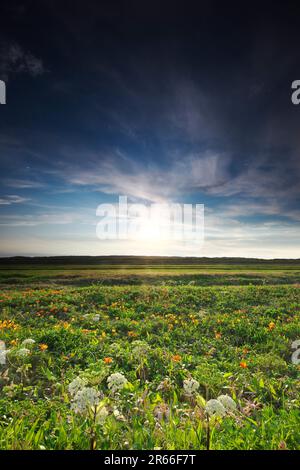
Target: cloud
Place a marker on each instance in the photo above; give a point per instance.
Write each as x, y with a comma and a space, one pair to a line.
22, 184
12, 199
61, 217
222, 238
15, 60
227, 236
119, 174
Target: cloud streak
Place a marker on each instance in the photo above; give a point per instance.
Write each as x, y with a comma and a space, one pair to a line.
12, 199
15, 60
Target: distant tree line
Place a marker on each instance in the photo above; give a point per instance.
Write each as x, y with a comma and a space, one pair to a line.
139, 260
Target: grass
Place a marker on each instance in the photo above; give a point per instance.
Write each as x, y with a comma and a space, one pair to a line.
78, 275
230, 329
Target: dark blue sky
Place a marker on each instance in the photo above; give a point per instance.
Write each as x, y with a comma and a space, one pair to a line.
160, 101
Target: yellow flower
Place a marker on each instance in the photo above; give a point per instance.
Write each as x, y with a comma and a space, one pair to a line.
8, 325
43, 347
271, 326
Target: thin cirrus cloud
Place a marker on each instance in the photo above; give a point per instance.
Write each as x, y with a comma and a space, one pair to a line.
15, 60
22, 184
12, 199
45, 218
122, 175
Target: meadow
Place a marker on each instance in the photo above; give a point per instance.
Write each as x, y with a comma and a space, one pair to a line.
149, 357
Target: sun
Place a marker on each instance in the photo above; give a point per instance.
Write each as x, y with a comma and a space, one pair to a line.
148, 230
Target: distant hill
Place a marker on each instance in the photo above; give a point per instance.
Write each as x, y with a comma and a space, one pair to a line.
138, 260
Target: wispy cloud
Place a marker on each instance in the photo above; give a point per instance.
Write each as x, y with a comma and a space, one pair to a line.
61, 217
119, 174
14, 60
12, 199
22, 184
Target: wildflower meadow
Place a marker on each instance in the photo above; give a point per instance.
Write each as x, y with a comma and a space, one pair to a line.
174, 364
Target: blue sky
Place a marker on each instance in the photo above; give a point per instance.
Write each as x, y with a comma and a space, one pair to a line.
162, 104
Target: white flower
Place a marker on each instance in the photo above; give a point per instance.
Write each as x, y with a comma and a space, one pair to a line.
119, 416
215, 408
91, 317
228, 403
85, 399
140, 348
162, 412
76, 385
101, 415
23, 352
3, 357
165, 385
28, 341
116, 382
3, 352
190, 386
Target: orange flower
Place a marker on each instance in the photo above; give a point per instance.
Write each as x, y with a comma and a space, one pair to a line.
43, 347
271, 326
218, 336
107, 360
8, 325
132, 334
243, 364
176, 358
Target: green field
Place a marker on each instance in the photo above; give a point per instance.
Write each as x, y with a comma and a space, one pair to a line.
179, 335
130, 274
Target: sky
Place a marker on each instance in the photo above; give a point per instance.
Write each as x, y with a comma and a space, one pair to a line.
163, 102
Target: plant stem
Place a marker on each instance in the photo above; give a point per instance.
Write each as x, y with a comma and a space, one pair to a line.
93, 440
207, 434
